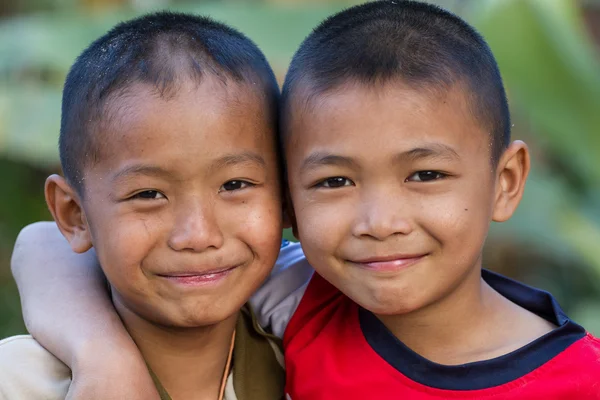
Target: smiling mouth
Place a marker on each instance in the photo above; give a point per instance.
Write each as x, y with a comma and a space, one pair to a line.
391, 263
199, 278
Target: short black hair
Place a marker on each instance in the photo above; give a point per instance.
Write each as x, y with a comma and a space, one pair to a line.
156, 49
417, 43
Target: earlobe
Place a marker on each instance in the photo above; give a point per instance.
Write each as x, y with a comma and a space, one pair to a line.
64, 205
512, 171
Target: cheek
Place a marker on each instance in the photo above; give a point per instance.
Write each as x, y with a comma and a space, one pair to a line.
123, 242
323, 223
459, 220
258, 222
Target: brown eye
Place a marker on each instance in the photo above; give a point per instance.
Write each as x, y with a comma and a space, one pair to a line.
234, 185
425, 176
335, 182
149, 195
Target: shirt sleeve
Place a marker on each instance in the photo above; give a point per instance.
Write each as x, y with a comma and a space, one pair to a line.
277, 299
28, 371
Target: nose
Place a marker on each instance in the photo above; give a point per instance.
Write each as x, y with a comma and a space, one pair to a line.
196, 229
381, 214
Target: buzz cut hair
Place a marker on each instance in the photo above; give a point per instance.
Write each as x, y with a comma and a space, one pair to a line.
160, 50
421, 45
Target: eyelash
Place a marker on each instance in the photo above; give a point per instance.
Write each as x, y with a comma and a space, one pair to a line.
140, 195
327, 183
435, 174
153, 193
244, 184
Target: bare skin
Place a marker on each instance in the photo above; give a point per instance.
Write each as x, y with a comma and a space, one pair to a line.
99, 344
403, 188
186, 227
419, 195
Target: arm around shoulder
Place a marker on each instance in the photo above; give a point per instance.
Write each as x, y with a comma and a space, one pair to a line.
66, 307
63, 294
29, 371
276, 300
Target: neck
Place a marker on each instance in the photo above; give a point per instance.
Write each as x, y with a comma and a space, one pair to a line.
189, 362
451, 330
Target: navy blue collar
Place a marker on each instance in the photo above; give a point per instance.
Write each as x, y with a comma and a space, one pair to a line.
481, 374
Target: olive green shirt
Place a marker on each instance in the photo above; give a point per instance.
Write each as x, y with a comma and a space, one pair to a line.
30, 372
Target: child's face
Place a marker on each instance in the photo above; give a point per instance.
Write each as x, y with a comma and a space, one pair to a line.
393, 192
184, 207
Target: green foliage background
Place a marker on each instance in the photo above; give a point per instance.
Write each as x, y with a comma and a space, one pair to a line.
546, 54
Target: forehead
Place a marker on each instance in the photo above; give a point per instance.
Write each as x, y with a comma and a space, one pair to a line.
198, 117
358, 116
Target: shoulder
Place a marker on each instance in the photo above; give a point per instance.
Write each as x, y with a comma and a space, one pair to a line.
572, 374
577, 366
258, 370
585, 352
277, 299
322, 305
29, 371
292, 264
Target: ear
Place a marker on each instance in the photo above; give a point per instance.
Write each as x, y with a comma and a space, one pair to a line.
65, 206
511, 175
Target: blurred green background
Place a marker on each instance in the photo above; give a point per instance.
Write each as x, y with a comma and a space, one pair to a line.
548, 54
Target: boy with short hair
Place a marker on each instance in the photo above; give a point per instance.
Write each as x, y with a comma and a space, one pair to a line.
396, 136
167, 144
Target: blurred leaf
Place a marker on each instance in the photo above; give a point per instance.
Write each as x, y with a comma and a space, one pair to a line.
37, 51
48, 40
551, 70
10, 311
586, 313
582, 234
22, 202
30, 122
549, 219
289, 235
534, 224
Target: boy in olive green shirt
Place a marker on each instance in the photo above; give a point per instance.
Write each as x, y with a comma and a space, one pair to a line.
168, 149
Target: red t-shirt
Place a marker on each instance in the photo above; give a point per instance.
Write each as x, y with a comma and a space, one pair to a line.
336, 350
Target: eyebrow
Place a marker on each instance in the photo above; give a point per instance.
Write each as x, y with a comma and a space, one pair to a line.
141, 169
225, 161
319, 159
433, 150
247, 157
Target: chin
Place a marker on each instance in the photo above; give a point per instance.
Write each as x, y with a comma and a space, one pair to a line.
393, 310
380, 308
193, 316
386, 304
191, 322
208, 319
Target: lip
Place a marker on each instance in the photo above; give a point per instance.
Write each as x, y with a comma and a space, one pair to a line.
195, 278
389, 263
